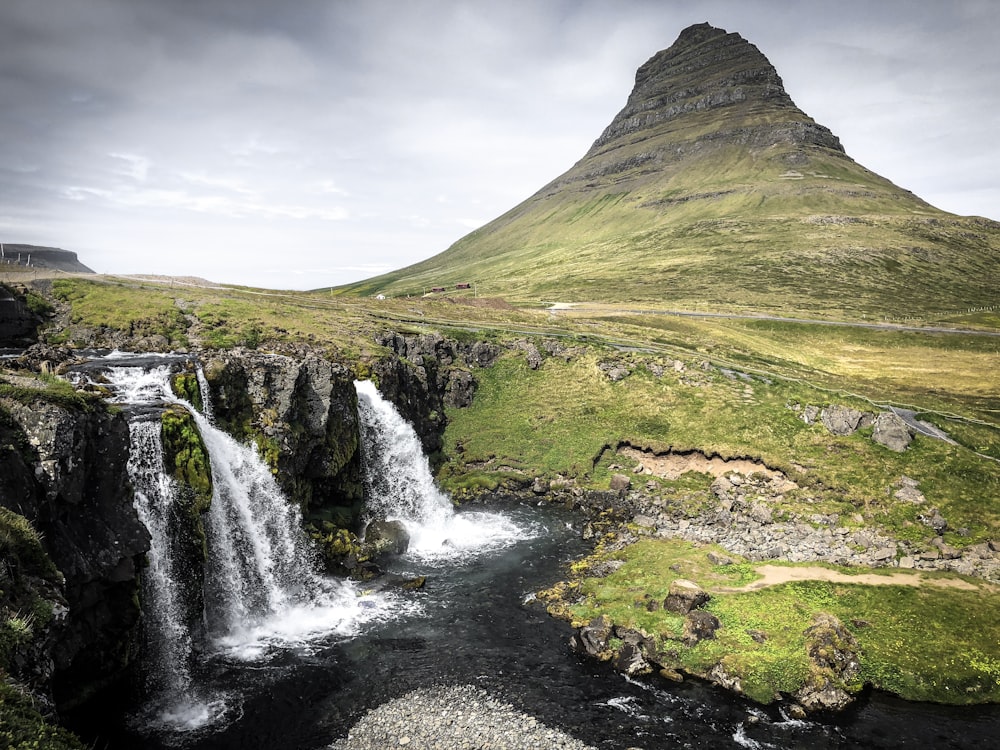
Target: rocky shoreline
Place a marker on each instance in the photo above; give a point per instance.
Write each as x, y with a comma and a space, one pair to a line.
459, 717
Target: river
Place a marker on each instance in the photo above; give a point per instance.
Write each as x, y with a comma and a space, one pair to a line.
307, 665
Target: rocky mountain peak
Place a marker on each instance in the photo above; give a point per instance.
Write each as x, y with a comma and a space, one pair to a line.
711, 82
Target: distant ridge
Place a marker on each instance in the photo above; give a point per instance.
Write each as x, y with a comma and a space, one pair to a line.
43, 257
710, 188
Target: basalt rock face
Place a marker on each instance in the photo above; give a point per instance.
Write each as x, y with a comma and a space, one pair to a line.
302, 413
705, 71
18, 322
427, 374
64, 471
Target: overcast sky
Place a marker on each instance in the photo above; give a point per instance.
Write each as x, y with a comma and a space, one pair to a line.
305, 143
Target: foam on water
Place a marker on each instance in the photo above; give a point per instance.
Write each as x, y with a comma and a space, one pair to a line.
263, 592
401, 488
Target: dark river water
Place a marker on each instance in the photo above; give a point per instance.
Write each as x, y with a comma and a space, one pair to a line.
476, 626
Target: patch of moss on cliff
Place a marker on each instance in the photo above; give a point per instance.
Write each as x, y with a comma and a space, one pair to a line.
185, 386
186, 458
32, 388
26, 570
22, 727
185, 455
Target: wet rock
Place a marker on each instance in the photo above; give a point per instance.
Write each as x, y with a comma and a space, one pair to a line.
631, 661
388, 537
892, 432
592, 639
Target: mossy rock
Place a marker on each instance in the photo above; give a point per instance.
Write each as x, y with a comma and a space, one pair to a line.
185, 385
186, 459
22, 727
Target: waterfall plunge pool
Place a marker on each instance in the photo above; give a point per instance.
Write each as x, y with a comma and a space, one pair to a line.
301, 664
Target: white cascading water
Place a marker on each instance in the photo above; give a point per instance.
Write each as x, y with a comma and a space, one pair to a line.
262, 588
168, 647
401, 488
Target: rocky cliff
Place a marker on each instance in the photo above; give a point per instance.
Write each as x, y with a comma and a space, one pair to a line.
427, 373
64, 472
302, 413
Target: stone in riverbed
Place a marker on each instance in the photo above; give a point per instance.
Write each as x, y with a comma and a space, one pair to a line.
388, 537
592, 639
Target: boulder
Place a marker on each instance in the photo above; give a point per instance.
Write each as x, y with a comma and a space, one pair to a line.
592, 639
685, 596
834, 654
716, 559
699, 625
841, 420
631, 661
620, 482
388, 537
892, 432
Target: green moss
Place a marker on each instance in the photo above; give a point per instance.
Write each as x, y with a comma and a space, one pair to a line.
186, 456
22, 727
24, 613
928, 643
185, 385
53, 390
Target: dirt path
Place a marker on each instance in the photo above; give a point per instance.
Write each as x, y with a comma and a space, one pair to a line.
776, 574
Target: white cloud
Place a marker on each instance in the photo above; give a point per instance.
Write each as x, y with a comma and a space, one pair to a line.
202, 136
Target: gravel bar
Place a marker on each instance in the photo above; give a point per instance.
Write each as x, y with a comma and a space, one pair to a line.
461, 717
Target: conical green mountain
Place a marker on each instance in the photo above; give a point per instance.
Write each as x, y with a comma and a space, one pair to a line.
711, 189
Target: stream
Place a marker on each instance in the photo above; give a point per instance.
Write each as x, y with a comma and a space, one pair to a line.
296, 671
473, 626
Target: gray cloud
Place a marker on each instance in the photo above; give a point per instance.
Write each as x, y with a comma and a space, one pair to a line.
307, 143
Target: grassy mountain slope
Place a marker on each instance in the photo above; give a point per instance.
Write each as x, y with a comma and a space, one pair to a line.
711, 189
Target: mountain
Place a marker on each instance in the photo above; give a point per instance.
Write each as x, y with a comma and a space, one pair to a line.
712, 189
42, 257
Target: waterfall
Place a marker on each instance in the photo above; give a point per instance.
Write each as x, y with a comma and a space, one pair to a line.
206, 396
401, 487
263, 592
168, 640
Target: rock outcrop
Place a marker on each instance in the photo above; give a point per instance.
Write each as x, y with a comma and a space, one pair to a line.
64, 471
427, 374
302, 413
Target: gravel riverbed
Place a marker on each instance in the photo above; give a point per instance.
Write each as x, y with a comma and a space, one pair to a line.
461, 717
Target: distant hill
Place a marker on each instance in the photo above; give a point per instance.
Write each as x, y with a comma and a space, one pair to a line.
712, 189
43, 257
